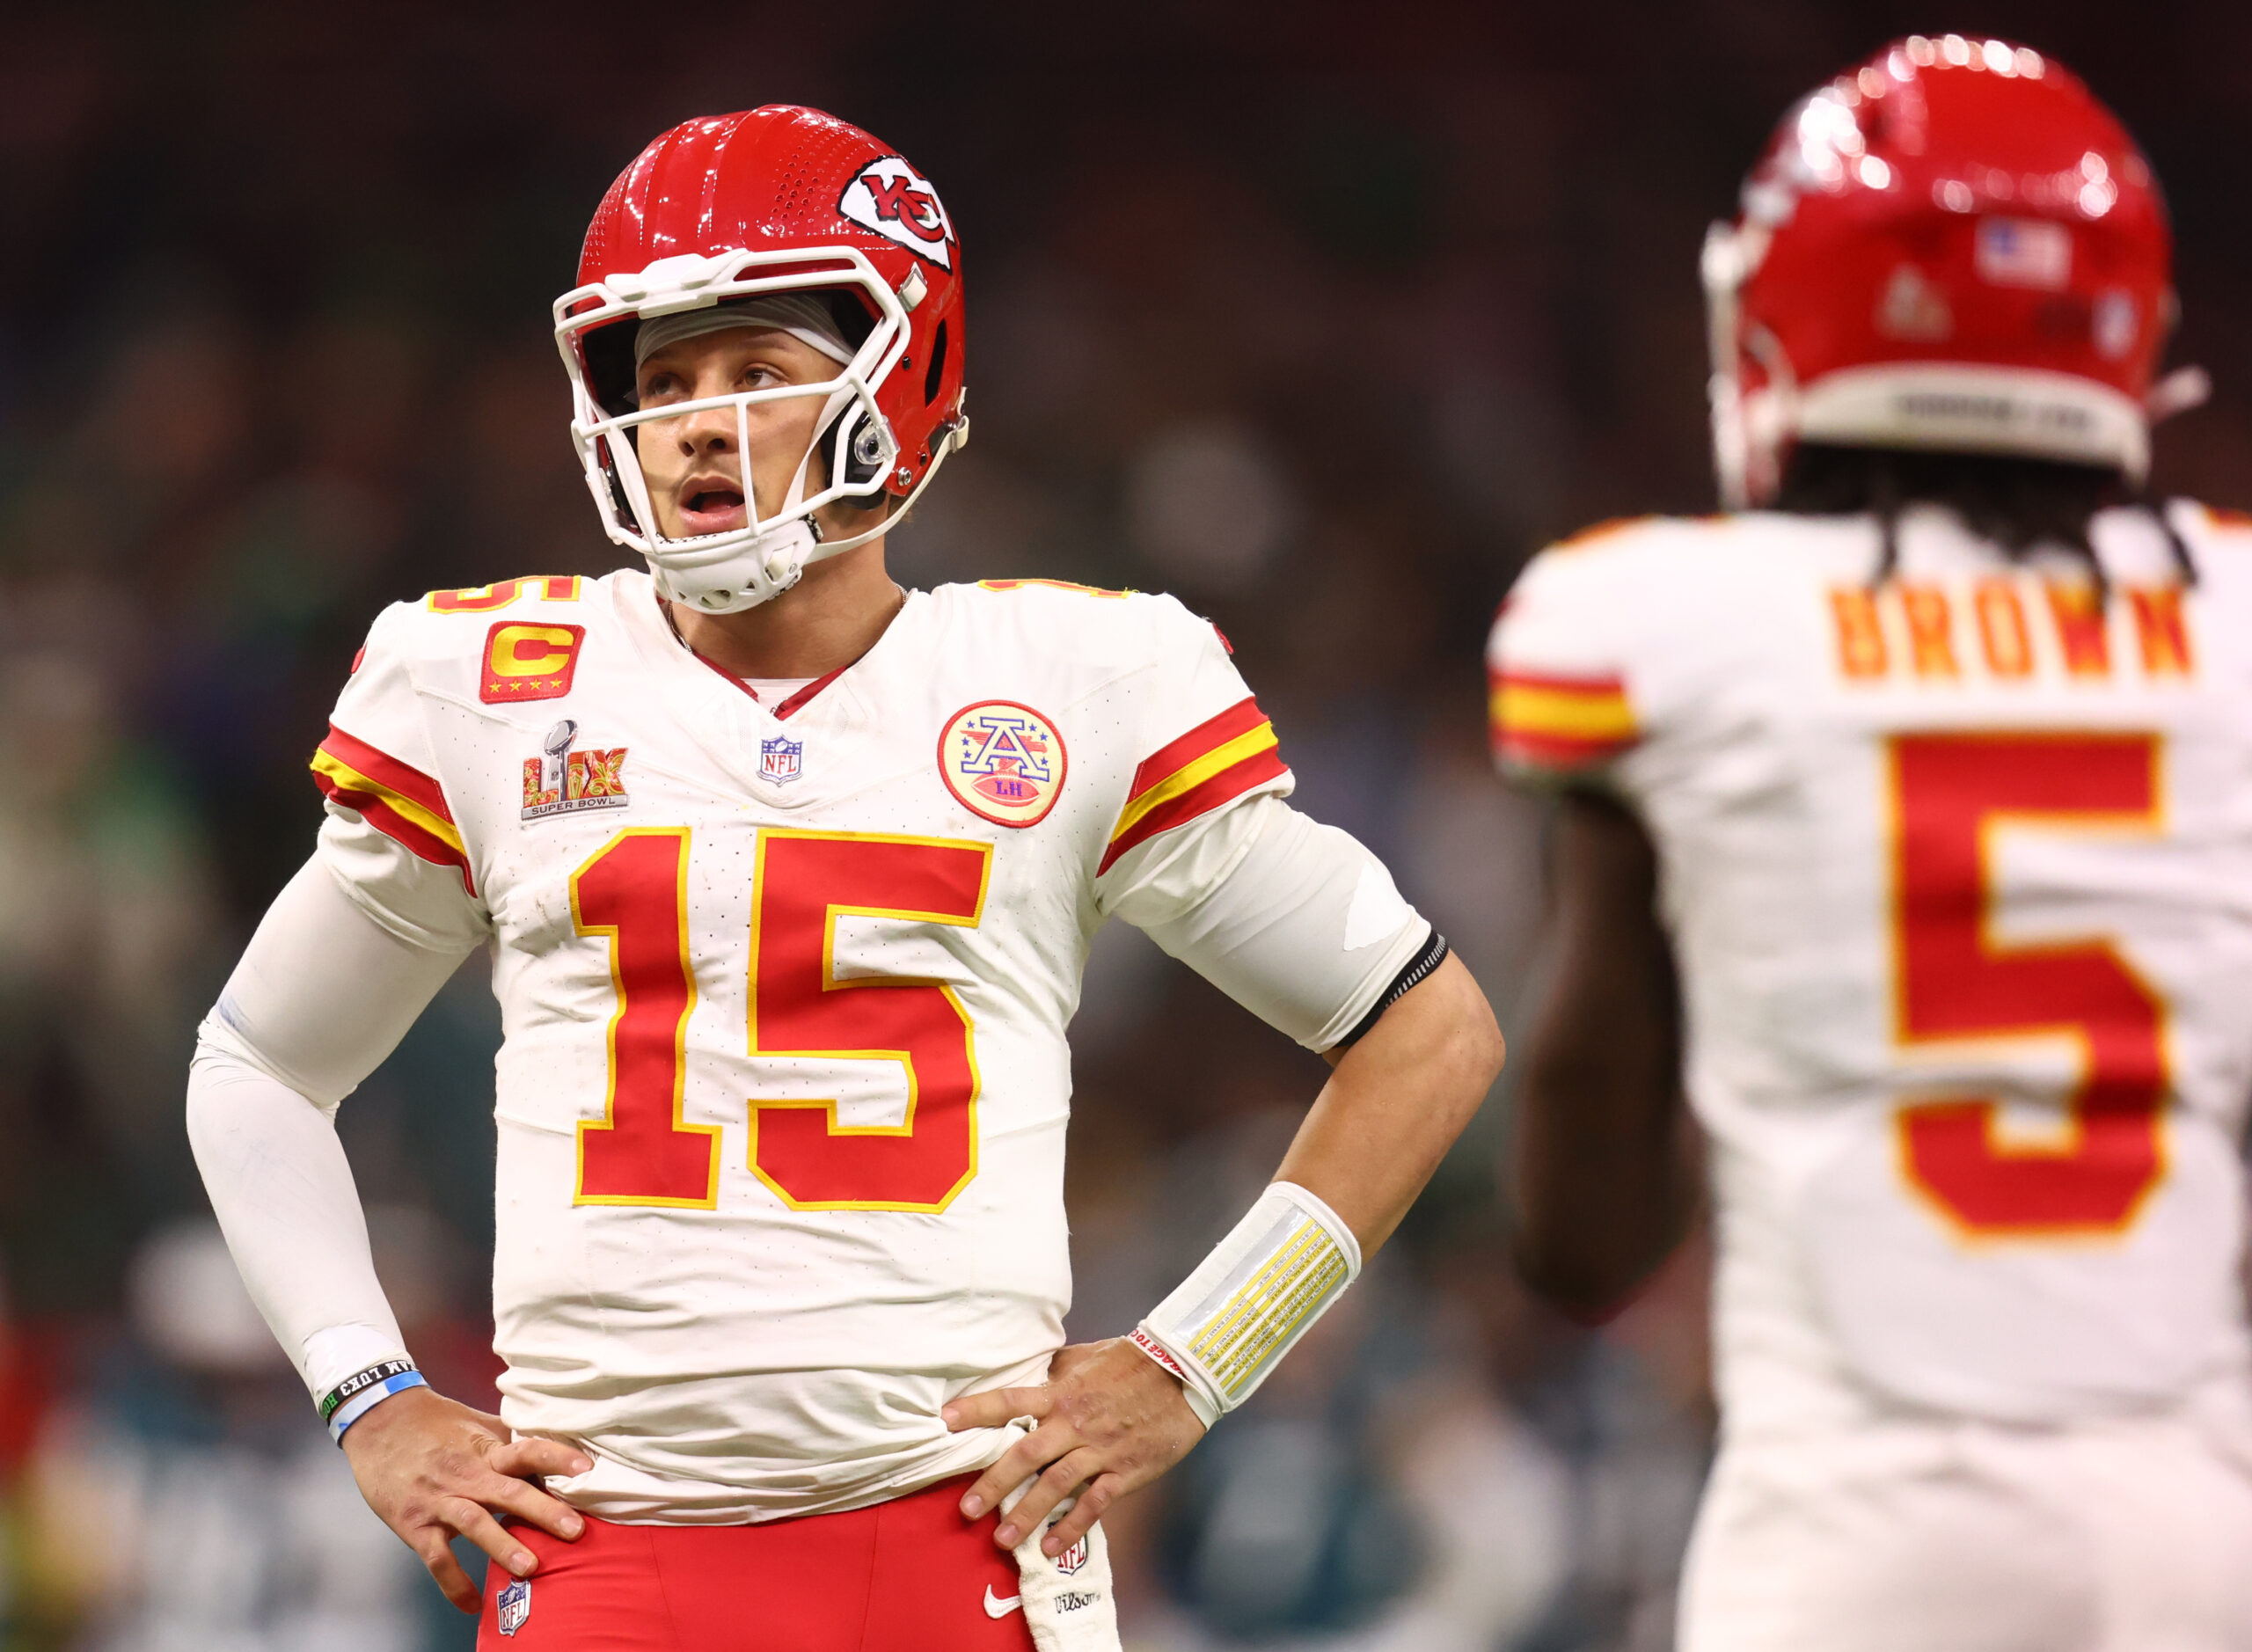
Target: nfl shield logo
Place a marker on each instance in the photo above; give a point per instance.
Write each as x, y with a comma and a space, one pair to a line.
780, 759
514, 1603
1073, 1558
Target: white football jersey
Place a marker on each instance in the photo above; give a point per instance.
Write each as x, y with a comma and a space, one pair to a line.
1959, 873
782, 1098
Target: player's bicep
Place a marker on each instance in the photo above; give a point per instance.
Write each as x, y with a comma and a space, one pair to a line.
425, 902
1292, 919
324, 991
1612, 1016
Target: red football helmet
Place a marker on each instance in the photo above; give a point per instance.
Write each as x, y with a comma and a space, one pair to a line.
728, 208
1955, 246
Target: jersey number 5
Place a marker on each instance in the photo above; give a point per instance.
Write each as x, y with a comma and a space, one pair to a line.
634, 891
1957, 983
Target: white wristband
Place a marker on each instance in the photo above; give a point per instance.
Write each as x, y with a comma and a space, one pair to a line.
1200, 1400
1248, 1303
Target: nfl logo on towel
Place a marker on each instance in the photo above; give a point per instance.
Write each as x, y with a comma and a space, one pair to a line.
1073, 1558
514, 1603
781, 759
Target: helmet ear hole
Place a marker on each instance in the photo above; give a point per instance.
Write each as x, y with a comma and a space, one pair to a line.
609, 354
862, 447
936, 372
867, 450
621, 504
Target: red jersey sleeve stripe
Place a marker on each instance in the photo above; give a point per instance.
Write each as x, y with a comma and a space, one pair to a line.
398, 801
1223, 787
1589, 716
1556, 754
1602, 683
1240, 719
388, 772
1214, 763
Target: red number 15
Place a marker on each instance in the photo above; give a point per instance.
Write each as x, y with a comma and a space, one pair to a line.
634, 893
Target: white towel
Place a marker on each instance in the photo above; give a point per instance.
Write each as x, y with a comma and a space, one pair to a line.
1068, 1605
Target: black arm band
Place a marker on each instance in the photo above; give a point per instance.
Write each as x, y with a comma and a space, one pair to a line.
1431, 955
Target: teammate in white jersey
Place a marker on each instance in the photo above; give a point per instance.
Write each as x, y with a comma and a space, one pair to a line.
786, 875
1905, 830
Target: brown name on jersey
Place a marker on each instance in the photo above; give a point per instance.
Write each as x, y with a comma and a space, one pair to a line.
2004, 629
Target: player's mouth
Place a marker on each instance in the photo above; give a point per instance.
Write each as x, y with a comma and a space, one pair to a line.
710, 504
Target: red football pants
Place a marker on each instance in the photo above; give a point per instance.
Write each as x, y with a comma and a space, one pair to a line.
907, 1576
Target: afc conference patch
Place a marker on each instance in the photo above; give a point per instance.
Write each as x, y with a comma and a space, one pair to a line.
514, 1605
1003, 762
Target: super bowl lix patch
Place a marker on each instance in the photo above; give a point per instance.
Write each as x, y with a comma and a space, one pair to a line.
562, 781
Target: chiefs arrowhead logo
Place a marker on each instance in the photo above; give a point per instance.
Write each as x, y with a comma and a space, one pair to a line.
890, 197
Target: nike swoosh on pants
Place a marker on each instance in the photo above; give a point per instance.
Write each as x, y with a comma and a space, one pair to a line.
998, 1607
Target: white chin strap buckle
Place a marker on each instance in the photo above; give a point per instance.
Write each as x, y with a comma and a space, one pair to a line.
756, 570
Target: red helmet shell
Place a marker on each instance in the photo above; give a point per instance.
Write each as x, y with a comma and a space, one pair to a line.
1952, 204
781, 178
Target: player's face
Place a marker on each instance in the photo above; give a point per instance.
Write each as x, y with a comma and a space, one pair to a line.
691, 464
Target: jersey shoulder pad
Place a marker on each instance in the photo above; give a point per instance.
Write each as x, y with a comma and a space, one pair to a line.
2226, 530
1198, 741
1631, 560
511, 642
1610, 530
1584, 593
2219, 543
525, 590
1645, 538
1560, 656
1090, 625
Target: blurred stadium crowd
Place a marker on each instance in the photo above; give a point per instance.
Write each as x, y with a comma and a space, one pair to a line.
1325, 330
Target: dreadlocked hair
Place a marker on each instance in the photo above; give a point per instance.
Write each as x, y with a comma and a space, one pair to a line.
2014, 504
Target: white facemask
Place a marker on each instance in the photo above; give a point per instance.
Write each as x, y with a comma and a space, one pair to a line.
687, 296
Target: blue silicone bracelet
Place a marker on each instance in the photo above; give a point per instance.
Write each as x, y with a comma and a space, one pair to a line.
368, 1398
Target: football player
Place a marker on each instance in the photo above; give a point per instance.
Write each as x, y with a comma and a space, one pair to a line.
1905, 838
786, 875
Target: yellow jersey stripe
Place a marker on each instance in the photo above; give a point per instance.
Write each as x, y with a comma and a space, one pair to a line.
1218, 760
1603, 715
347, 779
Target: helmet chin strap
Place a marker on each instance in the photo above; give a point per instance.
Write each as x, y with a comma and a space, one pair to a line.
764, 567
772, 560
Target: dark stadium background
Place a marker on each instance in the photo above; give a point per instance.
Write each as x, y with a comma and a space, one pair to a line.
1324, 317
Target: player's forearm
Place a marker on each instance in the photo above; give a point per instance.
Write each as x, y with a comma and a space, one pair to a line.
1396, 1103
320, 997
282, 1190
1398, 1098
1601, 1166
1602, 1196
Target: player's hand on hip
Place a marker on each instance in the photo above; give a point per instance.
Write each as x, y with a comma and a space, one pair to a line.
433, 1468
1111, 1421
